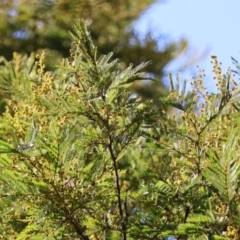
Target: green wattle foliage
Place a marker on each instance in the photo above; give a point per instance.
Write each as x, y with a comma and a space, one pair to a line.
84, 157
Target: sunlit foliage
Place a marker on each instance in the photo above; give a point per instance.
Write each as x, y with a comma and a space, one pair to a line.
82, 156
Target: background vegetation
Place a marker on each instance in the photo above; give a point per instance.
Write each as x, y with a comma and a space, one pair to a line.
33, 26
83, 156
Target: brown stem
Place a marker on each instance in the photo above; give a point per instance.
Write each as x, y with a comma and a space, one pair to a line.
117, 182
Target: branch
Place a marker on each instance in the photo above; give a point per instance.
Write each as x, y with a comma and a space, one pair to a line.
117, 181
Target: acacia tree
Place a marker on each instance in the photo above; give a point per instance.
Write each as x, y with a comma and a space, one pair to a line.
83, 157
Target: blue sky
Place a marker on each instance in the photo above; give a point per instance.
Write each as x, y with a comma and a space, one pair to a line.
211, 26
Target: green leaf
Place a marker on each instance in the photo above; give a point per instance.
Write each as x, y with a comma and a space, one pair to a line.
5, 147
